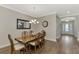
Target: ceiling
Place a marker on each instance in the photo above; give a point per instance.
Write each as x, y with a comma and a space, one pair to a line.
38, 10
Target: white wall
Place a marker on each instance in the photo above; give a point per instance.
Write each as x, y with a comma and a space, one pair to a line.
76, 30
51, 29
58, 27
77, 27
8, 20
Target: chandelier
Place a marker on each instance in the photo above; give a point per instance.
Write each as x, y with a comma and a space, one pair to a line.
34, 21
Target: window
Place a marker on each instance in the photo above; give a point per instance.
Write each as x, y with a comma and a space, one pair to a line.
66, 27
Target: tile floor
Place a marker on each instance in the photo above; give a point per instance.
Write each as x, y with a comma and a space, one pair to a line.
65, 45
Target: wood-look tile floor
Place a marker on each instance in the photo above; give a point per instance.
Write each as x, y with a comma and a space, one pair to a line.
65, 45
68, 45
50, 47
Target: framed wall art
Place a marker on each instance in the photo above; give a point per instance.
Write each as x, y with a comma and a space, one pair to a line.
23, 24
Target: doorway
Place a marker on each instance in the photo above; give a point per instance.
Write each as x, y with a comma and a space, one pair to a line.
67, 27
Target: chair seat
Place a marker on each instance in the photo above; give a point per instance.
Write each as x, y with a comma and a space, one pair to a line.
33, 43
18, 46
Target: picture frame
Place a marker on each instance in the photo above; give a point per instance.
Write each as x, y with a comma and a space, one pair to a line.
23, 24
45, 23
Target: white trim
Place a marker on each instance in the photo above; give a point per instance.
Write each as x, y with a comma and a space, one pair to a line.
76, 14
13, 9
58, 37
25, 12
8, 44
51, 40
78, 38
47, 14
3, 46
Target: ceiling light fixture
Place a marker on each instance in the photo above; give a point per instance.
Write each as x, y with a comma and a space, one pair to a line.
35, 21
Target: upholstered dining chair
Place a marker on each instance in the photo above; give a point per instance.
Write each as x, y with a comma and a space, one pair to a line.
31, 33
42, 38
24, 34
34, 43
15, 47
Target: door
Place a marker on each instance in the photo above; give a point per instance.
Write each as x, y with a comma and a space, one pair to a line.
67, 27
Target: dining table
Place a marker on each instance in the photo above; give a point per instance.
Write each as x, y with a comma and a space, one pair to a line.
25, 40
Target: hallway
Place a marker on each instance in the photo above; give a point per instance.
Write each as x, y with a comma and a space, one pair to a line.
68, 44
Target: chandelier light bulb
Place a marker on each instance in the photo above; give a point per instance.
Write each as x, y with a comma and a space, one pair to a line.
30, 22
37, 22
34, 19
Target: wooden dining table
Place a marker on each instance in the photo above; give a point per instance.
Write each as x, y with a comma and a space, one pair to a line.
25, 40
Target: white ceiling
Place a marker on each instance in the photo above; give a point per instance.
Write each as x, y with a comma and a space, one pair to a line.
38, 10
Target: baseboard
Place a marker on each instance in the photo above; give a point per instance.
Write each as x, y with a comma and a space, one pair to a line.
77, 39
7, 45
58, 37
3, 46
51, 40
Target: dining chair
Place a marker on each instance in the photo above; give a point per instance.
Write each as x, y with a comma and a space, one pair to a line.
15, 47
24, 34
31, 33
35, 43
43, 32
42, 38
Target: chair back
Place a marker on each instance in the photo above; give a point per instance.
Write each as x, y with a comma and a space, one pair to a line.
24, 34
11, 42
31, 33
43, 32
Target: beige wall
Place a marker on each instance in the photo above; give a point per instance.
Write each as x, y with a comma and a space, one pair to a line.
51, 29
8, 20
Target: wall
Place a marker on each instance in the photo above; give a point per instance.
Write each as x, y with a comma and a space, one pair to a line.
8, 22
76, 30
58, 27
51, 29
77, 27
